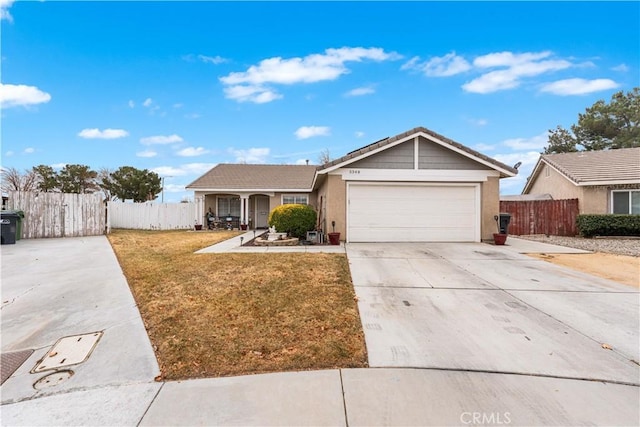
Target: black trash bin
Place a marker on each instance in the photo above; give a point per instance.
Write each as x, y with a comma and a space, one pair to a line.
505, 219
9, 221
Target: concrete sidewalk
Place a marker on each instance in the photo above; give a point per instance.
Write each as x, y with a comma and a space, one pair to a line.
57, 287
234, 245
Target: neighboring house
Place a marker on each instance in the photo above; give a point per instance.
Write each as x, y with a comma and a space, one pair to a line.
413, 187
604, 182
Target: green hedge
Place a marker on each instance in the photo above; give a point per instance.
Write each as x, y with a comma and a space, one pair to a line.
293, 219
608, 225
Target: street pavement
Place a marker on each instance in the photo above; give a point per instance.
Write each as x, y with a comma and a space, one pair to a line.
457, 334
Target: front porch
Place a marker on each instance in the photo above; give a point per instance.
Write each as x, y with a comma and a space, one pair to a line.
235, 210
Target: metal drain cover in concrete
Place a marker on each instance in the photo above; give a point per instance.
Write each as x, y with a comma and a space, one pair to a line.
10, 362
52, 379
68, 351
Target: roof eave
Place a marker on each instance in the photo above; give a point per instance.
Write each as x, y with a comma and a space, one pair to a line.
609, 182
505, 172
251, 190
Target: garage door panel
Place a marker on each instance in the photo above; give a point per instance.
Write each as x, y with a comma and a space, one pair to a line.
406, 213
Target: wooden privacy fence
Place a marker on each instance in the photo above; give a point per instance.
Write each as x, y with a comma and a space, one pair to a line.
59, 214
152, 216
552, 217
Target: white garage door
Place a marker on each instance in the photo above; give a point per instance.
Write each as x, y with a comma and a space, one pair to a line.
413, 213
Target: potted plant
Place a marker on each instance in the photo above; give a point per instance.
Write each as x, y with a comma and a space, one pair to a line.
334, 238
243, 226
499, 238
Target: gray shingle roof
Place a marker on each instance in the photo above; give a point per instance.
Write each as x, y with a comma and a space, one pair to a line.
386, 141
252, 177
608, 166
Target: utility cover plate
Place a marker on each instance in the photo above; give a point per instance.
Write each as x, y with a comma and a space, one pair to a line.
10, 362
68, 351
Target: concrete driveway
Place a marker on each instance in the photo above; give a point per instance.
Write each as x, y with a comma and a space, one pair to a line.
489, 309
54, 288
457, 335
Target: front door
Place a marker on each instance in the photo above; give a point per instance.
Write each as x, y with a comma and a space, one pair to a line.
262, 211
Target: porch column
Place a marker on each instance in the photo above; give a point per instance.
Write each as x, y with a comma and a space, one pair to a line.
244, 204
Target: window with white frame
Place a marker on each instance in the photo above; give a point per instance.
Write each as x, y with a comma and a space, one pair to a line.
625, 201
300, 199
228, 206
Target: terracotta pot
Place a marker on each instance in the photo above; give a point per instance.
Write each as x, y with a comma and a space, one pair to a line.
243, 226
499, 238
334, 238
198, 226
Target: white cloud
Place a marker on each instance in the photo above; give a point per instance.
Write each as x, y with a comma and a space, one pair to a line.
146, 153
359, 134
192, 116
360, 91
528, 159
192, 151
161, 139
58, 166
9, 153
305, 132
516, 67
178, 105
252, 155
212, 59
253, 84
29, 150
4, 10
102, 134
303, 162
578, 86
537, 142
131, 103
169, 171
174, 188
479, 122
147, 102
21, 95
197, 168
622, 68
443, 66
256, 94
508, 59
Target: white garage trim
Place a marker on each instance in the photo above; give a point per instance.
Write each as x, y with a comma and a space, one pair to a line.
422, 175
413, 212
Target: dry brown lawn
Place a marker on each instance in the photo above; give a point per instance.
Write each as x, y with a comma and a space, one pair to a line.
619, 268
212, 315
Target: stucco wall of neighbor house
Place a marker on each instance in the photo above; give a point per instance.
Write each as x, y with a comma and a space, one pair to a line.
594, 200
555, 184
489, 207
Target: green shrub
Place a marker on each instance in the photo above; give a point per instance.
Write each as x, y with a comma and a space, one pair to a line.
608, 225
293, 219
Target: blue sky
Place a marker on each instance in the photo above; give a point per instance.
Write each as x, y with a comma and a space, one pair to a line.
178, 87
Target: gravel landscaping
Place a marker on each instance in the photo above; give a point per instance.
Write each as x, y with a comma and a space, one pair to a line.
619, 246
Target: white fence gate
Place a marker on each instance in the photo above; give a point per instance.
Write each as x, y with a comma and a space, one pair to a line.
153, 216
59, 214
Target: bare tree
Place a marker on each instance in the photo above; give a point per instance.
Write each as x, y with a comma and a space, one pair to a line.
105, 183
324, 157
14, 180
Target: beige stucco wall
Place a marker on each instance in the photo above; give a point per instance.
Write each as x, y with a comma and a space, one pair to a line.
555, 184
336, 204
593, 200
489, 207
